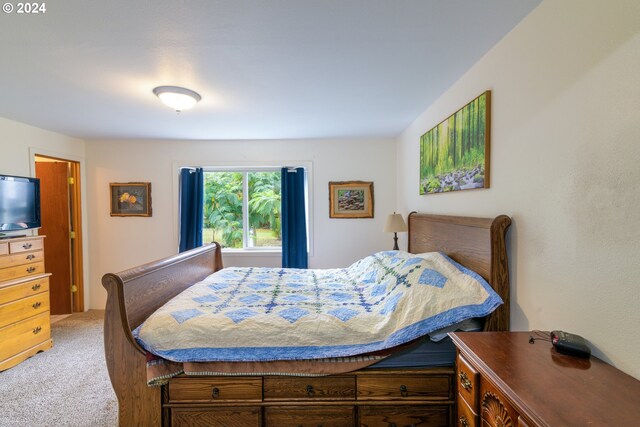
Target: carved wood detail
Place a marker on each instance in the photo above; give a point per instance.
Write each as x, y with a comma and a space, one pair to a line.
494, 413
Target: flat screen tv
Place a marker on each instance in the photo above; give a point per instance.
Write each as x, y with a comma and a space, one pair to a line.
19, 203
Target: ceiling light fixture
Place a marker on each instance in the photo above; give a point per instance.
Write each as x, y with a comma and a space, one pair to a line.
178, 98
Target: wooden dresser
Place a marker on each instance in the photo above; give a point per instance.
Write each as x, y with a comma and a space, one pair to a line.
505, 381
367, 398
25, 328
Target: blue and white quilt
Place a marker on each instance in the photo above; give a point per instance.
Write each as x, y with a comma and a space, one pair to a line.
263, 314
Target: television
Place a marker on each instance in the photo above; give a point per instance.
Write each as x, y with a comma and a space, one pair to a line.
19, 203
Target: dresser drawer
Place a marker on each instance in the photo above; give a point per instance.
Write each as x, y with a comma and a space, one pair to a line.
21, 271
26, 289
4, 248
309, 416
23, 308
403, 387
228, 417
215, 389
467, 378
401, 416
25, 245
310, 388
23, 335
21, 258
466, 416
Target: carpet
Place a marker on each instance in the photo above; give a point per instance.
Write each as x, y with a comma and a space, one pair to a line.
66, 386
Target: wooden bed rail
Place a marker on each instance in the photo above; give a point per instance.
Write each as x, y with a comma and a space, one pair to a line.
132, 296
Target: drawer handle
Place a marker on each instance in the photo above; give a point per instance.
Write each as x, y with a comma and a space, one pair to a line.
30, 257
27, 246
31, 269
37, 330
463, 421
36, 304
464, 381
36, 287
215, 392
310, 390
404, 391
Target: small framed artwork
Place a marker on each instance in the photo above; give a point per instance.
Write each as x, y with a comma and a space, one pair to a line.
454, 155
130, 199
351, 199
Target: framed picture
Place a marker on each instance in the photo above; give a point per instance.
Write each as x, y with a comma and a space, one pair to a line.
130, 199
454, 155
351, 199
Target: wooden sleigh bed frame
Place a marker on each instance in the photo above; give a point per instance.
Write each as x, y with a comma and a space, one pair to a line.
369, 397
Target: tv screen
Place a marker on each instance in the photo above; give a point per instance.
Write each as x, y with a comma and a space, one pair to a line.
19, 203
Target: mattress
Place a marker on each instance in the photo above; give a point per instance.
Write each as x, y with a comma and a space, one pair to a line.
423, 354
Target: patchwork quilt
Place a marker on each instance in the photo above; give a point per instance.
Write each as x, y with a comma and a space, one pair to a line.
268, 314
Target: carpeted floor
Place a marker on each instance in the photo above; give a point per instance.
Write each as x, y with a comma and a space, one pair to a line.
66, 386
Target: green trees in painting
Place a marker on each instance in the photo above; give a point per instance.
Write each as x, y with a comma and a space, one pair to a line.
452, 154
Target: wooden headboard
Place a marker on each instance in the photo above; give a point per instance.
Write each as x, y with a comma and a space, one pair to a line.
476, 243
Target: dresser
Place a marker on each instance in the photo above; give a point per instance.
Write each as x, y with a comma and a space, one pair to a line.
505, 381
25, 328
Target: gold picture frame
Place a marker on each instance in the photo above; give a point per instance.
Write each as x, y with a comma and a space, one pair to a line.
351, 199
130, 198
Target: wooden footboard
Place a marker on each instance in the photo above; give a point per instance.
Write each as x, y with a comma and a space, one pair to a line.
132, 296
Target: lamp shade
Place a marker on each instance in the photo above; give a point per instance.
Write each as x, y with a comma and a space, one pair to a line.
395, 223
178, 98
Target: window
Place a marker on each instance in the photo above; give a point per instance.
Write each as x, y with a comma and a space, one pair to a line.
242, 208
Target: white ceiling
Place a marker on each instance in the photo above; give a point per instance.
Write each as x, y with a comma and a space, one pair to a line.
265, 68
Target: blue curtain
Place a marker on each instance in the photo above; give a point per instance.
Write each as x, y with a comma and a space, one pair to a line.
191, 208
293, 218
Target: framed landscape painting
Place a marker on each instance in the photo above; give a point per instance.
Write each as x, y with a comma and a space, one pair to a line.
454, 155
130, 199
351, 199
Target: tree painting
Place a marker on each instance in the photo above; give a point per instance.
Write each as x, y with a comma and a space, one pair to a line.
455, 154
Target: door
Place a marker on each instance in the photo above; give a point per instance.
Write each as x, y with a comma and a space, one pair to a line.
56, 225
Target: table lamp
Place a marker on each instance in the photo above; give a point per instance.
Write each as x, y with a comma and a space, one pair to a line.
395, 224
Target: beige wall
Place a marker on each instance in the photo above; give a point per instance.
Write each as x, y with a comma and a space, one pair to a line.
565, 166
121, 242
18, 145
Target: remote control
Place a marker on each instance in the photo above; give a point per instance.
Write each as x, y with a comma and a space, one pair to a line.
571, 344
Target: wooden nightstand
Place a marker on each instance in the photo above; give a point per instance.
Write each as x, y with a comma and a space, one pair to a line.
503, 380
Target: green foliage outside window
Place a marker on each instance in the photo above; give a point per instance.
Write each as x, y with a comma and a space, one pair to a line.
223, 207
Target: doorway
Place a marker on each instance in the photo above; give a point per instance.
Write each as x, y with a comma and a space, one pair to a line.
60, 205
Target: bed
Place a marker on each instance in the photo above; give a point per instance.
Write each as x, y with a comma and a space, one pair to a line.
383, 395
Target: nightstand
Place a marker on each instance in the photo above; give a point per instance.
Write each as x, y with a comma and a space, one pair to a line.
503, 380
